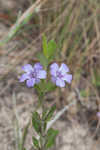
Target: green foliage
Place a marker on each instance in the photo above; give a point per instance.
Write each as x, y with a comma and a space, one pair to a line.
49, 48
45, 87
44, 113
35, 142
36, 122
96, 78
50, 137
43, 60
44, 126
48, 115
40, 127
49, 86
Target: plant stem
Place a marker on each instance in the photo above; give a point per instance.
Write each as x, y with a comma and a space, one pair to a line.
42, 128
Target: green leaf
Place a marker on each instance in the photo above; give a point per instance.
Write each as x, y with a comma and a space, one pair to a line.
45, 126
36, 122
50, 113
46, 86
43, 60
51, 49
49, 86
45, 46
44, 113
50, 138
35, 142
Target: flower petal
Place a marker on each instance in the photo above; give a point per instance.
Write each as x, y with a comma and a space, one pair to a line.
54, 68
38, 66
30, 82
41, 74
60, 82
53, 79
27, 68
37, 81
98, 114
67, 78
23, 77
63, 68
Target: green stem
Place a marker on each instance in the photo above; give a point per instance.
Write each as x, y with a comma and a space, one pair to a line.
42, 138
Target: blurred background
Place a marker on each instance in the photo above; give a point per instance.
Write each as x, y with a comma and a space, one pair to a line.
75, 26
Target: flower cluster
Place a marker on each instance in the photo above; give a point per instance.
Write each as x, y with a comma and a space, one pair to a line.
33, 75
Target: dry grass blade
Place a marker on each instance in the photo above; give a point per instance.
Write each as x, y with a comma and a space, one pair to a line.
24, 18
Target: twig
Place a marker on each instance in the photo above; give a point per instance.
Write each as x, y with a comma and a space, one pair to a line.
59, 114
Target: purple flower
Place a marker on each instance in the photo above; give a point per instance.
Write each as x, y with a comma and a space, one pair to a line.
98, 115
33, 74
60, 75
